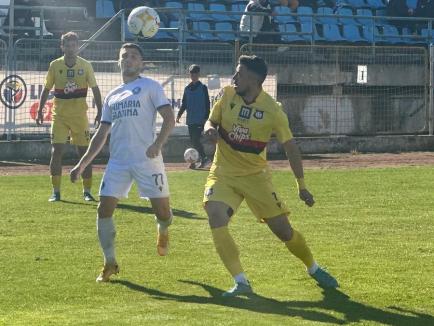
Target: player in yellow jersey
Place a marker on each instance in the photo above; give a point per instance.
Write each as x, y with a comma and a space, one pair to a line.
71, 76
242, 122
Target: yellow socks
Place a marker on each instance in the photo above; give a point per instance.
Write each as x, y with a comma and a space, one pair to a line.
55, 181
87, 184
298, 247
227, 250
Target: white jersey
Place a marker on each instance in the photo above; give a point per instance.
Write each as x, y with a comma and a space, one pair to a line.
131, 109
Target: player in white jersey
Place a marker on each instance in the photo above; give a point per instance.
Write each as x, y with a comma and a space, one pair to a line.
129, 113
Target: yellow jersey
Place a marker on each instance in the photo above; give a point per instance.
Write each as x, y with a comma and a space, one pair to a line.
70, 86
245, 130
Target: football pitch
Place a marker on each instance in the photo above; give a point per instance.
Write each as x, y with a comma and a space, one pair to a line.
372, 228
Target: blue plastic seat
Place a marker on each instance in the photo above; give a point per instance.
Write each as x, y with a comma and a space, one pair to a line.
381, 13
304, 14
367, 13
370, 33
357, 3
346, 20
283, 15
412, 4
331, 33
311, 32
427, 35
237, 7
374, 4
196, 16
352, 34
227, 27
289, 38
104, 9
199, 30
326, 11
163, 35
390, 34
220, 17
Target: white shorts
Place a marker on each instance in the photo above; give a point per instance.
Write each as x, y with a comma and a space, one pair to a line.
150, 178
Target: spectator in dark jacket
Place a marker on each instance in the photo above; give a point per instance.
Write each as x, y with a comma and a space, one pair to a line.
196, 102
259, 23
425, 8
399, 8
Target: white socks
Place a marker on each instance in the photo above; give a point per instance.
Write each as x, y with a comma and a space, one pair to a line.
241, 278
106, 234
311, 270
164, 224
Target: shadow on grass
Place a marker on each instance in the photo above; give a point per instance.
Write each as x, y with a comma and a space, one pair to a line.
333, 301
148, 210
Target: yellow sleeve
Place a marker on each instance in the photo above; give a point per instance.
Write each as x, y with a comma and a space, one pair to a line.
216, 111
281, 126
91, 81
49, 79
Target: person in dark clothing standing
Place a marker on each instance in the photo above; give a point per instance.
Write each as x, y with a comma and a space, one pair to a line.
196, 102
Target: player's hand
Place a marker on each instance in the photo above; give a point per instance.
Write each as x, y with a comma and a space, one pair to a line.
97, 120
212, 134
307, 197
75, 173
40, 118
153, 150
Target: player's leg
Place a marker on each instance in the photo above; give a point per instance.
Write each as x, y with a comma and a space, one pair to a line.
80, 136
163, 217
115, 184
220, 203
152, 183
296, 244
59, 136
195, 136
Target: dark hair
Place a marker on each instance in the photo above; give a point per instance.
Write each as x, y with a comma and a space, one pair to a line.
133, 46
255, 64
70, 36
194, 69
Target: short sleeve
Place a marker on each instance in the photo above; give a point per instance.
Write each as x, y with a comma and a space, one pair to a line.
281, 126
106, 116
158, 97
216, 111
49, 79
91, 81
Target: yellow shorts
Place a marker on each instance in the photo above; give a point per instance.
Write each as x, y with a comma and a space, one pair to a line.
76, 127
257, 190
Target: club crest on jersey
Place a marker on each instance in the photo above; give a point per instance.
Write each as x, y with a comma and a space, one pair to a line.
80, 72
245, 112
136, 90
258, 114
70, 73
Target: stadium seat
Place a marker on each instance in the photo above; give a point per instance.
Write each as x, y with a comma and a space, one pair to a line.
332, 33
104, 9
375, 4
381, 13
326, 11
283, 15
390, 34
357, 3
352, 34
237, 7
412, 4
289, 38
311, 33
224, 26
196, 16
367, 13
163, 35
173, 15
223, 17
199, 30
346, 20
427, 35
304, 14
370, 33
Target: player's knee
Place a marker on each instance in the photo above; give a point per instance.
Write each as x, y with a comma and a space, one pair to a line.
104, 211
217, 216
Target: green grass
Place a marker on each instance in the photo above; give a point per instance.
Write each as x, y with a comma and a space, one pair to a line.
372, 228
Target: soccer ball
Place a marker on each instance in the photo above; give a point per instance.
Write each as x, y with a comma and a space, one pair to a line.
143, 20
191, 155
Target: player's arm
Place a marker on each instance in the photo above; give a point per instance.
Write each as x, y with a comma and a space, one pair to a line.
183, 107
98, 102
294, 156
95, 146
168, 116
210, 130
42, 101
